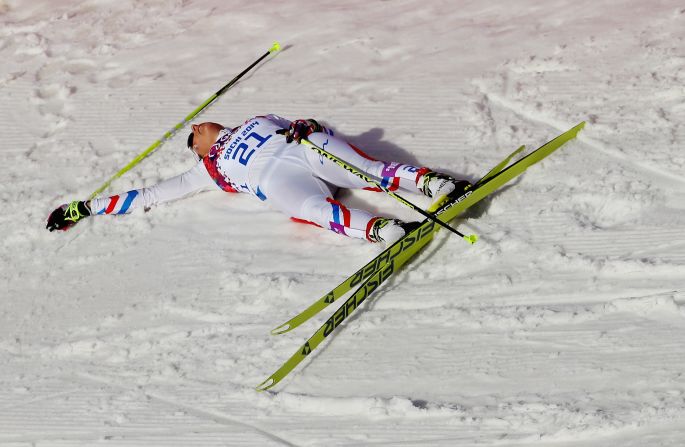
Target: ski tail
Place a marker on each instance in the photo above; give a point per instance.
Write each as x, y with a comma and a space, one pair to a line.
416, 240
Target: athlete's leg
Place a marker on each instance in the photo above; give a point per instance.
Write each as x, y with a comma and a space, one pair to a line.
391, 175
289, 186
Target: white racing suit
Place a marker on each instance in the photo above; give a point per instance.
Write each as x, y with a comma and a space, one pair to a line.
291, 178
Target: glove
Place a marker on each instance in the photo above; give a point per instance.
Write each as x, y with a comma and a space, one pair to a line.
300, 129
66, 216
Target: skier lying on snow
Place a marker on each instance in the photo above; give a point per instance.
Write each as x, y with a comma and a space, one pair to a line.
259, 158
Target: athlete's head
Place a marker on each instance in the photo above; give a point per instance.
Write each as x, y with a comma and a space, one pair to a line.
203, 136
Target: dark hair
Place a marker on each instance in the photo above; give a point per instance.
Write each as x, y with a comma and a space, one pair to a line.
190, 140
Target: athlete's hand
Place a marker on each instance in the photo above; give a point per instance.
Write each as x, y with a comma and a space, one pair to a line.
300, 129
66, 216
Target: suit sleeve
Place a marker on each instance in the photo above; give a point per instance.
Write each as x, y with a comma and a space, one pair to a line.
193, 180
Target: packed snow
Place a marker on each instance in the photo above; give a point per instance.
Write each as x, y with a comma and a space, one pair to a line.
563, 326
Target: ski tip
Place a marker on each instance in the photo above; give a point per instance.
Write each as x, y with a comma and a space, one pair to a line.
471, 238
282, 329
276, 47
576, 129
268, 383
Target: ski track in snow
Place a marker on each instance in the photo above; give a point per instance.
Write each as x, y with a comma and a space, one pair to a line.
563, 327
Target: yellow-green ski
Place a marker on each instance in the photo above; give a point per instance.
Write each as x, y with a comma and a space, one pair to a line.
419, 238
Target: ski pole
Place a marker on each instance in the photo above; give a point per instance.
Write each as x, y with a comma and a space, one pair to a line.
169, 134
471, 238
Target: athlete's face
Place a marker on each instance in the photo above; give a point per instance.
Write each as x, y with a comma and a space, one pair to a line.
204, 136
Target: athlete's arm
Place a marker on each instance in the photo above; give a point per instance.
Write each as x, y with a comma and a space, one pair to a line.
193, 180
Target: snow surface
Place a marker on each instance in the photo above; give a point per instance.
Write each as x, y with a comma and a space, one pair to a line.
564, 326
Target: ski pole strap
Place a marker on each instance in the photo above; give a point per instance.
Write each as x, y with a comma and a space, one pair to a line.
169, 134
